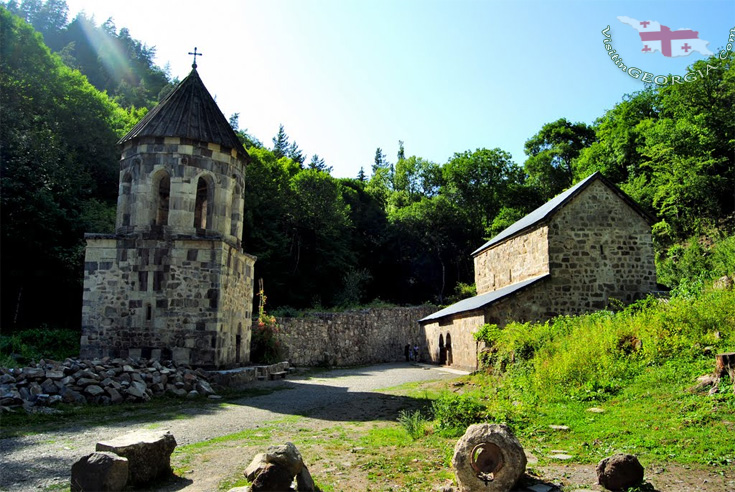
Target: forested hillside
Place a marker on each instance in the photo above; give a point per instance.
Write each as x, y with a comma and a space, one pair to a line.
402, 231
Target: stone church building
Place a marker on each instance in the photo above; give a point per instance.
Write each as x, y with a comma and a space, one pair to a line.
173, 281
574, 254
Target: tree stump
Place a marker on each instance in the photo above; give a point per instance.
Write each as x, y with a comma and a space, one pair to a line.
725, 364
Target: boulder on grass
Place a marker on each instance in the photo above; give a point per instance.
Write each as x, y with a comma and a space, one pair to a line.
276, 468
103, 472
148, 454
619, 472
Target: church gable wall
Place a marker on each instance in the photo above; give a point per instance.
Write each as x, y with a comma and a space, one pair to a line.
599, 248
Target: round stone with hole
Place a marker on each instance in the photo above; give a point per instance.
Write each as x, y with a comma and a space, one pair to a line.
488, 458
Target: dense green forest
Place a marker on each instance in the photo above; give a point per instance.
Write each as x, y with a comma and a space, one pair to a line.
400, 232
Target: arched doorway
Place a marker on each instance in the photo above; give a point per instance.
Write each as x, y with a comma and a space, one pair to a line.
448, 348
442, 350
238, 343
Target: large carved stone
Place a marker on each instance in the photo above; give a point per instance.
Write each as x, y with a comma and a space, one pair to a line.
99, 472
488, 458
148, 454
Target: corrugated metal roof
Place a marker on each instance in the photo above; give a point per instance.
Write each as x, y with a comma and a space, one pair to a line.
549, 208
482, 300
537, 215
189, 111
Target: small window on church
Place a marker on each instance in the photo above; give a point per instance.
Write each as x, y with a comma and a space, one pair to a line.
200, 209
164, 192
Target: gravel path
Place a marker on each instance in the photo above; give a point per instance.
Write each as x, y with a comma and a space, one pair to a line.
38, 461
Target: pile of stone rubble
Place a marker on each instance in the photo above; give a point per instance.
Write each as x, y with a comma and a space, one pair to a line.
100, 381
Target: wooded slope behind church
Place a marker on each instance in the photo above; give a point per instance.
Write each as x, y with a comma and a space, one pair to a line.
572, 255
173, 282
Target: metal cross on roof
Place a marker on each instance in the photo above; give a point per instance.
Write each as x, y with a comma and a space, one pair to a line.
194, 65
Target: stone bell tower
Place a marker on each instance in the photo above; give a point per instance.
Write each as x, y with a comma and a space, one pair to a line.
173, 281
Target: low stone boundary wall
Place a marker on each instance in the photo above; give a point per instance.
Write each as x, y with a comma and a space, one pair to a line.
106, 381
352, 338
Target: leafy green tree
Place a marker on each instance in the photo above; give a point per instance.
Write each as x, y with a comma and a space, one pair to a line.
58, 160
415, 178
432, 239
551, 153
320, 246
380, 161
615, 152
295, 154
481, 182
401, 151
318, 164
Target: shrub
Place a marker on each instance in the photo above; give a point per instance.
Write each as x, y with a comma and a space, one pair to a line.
591, 357
413, 422
265, 348
24, 346
454, 413
700, 258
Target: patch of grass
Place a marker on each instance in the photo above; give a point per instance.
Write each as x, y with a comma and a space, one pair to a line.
24, 346
413, 422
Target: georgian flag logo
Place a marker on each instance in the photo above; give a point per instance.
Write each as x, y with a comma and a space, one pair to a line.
657, 37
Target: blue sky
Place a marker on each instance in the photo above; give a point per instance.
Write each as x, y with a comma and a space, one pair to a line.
345, 77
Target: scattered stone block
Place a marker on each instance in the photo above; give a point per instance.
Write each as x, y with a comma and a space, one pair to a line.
148, 454
304, 482
94, 390
103, 472
275, 470
489, 458
256, 466
619, 471
273, 478
203, 388
287, 456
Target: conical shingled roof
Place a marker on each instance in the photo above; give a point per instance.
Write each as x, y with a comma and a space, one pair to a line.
189, 111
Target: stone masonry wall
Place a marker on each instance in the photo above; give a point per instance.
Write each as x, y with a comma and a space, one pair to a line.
599, 249
185, 299
353, 338
459, 331
147, 160
512, 261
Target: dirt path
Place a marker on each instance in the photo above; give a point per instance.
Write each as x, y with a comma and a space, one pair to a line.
44, 460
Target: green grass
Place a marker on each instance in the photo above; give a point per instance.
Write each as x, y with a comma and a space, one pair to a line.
637, 365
